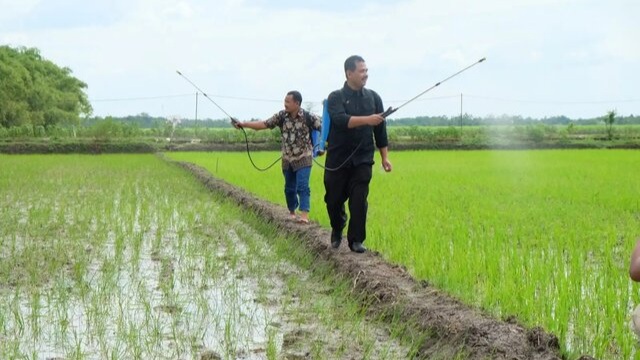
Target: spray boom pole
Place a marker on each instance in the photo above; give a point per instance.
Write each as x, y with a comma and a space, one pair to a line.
391, 110
233, 120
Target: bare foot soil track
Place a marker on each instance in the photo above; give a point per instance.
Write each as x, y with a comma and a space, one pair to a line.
449, 327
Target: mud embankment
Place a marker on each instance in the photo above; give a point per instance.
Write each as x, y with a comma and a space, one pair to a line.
89, 146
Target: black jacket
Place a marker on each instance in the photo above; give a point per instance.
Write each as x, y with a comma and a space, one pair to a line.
342, 141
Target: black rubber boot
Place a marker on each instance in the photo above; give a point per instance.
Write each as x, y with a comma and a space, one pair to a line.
336, 238
357, 247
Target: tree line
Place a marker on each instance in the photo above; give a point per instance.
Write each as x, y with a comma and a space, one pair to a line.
35, 91
144, 120
469, 120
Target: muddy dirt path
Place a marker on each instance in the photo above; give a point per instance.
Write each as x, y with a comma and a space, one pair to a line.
451, 327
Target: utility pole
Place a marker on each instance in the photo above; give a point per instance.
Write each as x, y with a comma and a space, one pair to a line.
460, 114
196, 107
196, 119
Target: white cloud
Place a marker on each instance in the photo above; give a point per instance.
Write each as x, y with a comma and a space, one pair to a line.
536, 50
14, 9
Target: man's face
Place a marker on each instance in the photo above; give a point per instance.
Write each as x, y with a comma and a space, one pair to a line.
290, 105
358, 77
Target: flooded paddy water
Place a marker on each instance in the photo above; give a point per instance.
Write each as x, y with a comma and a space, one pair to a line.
115, 256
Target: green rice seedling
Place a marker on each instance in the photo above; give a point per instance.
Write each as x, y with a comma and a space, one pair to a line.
524, 233
35, 307
272, 348
151, 265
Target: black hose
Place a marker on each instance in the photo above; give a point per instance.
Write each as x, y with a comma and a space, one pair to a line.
341, 165
246, 140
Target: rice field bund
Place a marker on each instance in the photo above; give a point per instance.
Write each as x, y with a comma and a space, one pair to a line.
543, 236
129, 257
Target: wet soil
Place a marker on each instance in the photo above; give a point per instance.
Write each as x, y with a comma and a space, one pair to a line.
448, 327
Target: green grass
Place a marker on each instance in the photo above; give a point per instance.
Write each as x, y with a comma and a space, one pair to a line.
543, 235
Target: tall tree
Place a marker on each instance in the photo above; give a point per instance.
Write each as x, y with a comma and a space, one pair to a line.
609, 119
35, 91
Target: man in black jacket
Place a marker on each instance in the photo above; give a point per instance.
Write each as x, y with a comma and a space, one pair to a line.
356, 120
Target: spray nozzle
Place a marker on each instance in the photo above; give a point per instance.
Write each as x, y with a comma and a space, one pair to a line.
388, 112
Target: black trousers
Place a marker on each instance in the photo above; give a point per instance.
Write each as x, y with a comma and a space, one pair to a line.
350, 183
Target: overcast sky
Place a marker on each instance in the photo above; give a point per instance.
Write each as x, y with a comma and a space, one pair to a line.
578, 58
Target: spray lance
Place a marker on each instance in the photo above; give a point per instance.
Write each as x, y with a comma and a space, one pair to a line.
234, 122
391, 110
326, 122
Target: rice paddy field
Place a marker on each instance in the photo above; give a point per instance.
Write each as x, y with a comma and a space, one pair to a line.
130, 257
544, 236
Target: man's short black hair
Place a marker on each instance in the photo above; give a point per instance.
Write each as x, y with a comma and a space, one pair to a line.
296, 95
351, 62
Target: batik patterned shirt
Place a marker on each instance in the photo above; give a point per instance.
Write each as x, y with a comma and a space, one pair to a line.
297, 149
